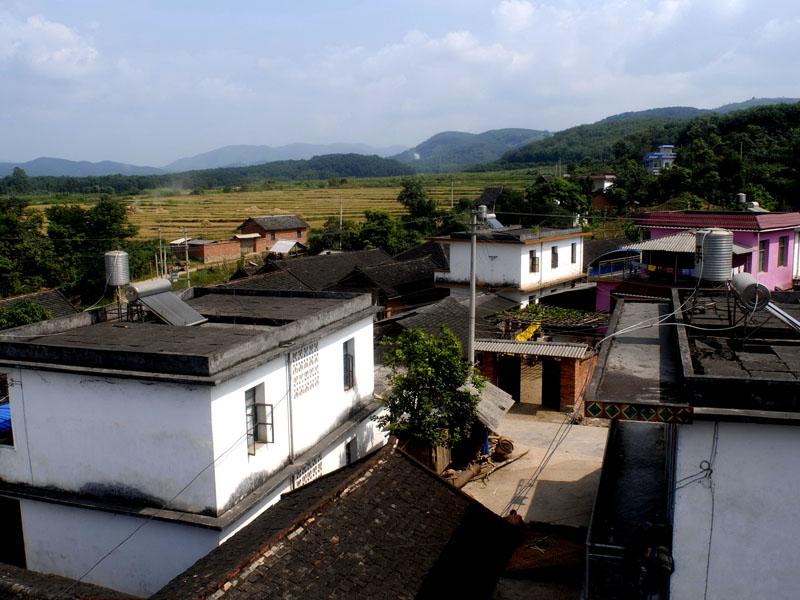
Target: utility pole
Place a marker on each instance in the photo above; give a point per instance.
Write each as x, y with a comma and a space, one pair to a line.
186, 253
479, 215
163, 269
473, 243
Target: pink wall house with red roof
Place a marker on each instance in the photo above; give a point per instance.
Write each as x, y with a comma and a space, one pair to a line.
773, 237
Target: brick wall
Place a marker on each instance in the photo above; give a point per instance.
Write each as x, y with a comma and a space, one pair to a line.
575, 375
286, 234
222, 251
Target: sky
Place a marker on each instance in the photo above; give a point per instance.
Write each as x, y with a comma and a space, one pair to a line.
148, 82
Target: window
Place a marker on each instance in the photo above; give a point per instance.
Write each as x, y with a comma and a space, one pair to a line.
6, 431
573, 249
349, 358
533, 261
763, 255
259, 418
783, 246
299, 233
272, 235
554, 257
351, 451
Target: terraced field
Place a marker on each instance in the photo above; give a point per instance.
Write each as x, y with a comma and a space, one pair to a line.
216, 215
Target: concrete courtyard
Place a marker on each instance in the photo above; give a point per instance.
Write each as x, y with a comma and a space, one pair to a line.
564, 492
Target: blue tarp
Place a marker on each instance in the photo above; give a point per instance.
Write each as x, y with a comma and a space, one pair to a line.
5, 417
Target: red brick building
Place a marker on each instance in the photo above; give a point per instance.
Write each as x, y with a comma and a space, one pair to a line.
214, 251
277, 227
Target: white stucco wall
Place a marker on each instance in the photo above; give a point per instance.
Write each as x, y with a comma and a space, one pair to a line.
68, 541
508, 265
103, 435
313, 414
756, 530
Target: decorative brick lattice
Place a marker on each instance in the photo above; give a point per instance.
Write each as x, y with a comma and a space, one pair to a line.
305, 369
310, 471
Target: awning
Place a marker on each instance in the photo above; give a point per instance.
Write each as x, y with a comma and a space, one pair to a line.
283, 246
682, 243
246, 236
554, 349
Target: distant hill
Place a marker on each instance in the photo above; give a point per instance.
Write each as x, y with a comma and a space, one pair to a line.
596, 142
451, 150
59, 167
245, 155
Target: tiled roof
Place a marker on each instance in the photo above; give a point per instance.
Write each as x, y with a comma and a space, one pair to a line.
22, 584
735, 221
432, 250
316, 273
594, 249
386, 527
278, 222
51, 300
393, 277
274, 281
455, 315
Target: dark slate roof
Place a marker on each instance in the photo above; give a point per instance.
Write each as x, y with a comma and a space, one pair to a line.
455, 315
432, 250
22, 584
386, 527
735, 221
594, 249
394, 278
326, 270
52, 300
278, 222
274, 281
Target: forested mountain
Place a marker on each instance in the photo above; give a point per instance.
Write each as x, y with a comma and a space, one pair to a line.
247, 155
319, 167
644, 129
451, 150
60, 167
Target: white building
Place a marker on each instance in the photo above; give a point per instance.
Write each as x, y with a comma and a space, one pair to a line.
182, 435
517, 263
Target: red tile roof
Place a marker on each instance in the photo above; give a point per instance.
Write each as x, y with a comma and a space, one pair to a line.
736, 221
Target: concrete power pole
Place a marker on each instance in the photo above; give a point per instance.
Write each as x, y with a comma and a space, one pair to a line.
186, 253
478, 216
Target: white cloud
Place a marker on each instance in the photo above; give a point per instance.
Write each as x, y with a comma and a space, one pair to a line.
45, 47
514, 15
218, 88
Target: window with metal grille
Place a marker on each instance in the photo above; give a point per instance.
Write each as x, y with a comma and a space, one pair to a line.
272, 235
299, 233
533, 262
554, 257
783, 247
349, 366
259, 420
6, 430
573, 249
763, 255
351, 451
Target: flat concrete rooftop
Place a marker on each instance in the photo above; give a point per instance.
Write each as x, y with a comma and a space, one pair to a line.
642, 365
207, 353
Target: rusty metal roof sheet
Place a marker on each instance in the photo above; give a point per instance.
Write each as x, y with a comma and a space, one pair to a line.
555, 349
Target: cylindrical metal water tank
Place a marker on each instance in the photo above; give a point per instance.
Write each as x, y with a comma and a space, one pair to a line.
752, 295
147, 288
117, 269
713, 254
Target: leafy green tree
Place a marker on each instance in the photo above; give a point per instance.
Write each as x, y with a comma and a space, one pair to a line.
81, 237
430, 401
26, 257
558, 192
422, 209
331, 235
19, 182
382, 230
23, 312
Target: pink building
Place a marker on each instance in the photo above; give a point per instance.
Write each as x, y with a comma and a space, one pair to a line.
765, 244
774, 239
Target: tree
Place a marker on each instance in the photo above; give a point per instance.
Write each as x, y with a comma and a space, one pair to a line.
19, 182
430, 401
331, 235
23, 312
382, 230
558, 192
422, 209
26, 256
